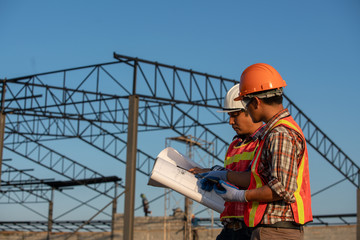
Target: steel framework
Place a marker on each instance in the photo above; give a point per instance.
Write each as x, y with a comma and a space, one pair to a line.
90, 105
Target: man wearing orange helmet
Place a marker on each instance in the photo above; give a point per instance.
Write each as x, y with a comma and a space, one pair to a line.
278, 195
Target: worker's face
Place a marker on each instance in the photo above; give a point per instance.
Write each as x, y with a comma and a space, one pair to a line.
241, 122
253, 109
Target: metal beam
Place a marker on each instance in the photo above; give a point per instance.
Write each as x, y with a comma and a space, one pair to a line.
2, 132
2, 124
131, 168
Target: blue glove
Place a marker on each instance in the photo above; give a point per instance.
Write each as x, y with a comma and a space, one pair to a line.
229, 192
207, 184
210, 178
217, 175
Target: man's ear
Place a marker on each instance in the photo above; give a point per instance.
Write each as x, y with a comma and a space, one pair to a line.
257, 102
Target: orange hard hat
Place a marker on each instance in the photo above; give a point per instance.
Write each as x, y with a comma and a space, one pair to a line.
259, 77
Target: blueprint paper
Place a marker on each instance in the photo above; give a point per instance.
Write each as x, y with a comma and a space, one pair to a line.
169, 171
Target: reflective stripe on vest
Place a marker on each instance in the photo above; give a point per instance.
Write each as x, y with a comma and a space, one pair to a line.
250, 217
235, 154
302, 213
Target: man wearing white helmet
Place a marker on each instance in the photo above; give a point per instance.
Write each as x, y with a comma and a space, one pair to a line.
238, 158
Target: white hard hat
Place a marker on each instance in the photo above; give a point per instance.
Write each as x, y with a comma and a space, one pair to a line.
229, 104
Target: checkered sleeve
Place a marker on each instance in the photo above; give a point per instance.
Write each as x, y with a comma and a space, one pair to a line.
284, 146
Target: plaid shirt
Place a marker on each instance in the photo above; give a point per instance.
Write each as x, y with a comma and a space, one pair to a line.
278, 166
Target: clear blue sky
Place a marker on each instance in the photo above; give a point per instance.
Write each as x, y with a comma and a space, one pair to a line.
313, 44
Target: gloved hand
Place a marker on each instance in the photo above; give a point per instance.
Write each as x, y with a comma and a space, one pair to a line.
229, 192
206, 182
217, 175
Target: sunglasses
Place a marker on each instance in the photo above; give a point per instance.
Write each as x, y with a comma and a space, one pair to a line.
246, 102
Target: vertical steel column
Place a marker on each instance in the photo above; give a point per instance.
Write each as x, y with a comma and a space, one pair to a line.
114, 208
187, 222
131, 168
50, 217
165, 210
358, 214
2, 130
358, 208
188, 201
2, 125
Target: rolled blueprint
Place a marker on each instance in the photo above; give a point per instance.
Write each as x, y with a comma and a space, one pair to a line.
170, 170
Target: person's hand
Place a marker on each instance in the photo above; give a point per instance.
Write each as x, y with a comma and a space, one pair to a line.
229, 192
206, 184
197, 170
208, 179
216, 175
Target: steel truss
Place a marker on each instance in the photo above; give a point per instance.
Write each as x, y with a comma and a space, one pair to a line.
12, 187
90, 104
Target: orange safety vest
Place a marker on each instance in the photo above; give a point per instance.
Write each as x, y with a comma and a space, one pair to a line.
238, 158
301, 208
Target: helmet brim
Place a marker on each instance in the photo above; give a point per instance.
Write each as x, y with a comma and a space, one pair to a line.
230, 110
